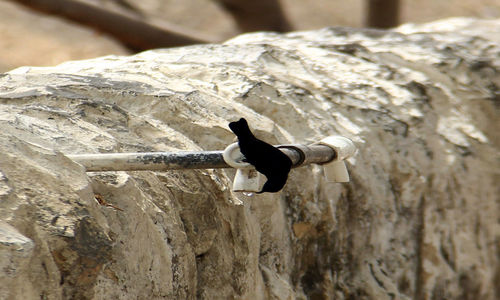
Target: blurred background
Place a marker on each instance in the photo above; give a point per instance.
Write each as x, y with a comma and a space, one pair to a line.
48, 32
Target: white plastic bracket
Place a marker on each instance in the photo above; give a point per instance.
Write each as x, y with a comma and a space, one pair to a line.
336, 170
247, 179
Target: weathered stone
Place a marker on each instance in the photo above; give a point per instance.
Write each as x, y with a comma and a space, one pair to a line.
419, 219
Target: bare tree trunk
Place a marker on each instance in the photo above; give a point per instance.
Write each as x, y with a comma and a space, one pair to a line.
257, 15
382, 13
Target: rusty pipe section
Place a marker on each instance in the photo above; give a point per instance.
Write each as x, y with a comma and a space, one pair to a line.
161, 161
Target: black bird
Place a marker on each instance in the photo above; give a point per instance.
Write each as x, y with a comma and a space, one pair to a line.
266, 159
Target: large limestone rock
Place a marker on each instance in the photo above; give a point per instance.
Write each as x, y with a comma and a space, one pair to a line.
419, 220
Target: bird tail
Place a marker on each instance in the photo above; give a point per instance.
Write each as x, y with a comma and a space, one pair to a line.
240, 128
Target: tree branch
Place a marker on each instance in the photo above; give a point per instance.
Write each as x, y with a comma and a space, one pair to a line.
136, 34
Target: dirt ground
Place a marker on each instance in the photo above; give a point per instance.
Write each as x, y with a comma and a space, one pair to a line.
35, 39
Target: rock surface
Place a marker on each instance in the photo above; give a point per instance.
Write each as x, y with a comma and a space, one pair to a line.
419, 219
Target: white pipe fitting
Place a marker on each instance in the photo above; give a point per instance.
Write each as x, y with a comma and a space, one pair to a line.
247, 179
336, 170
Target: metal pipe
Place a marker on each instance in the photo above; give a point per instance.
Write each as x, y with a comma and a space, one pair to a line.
160, 161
